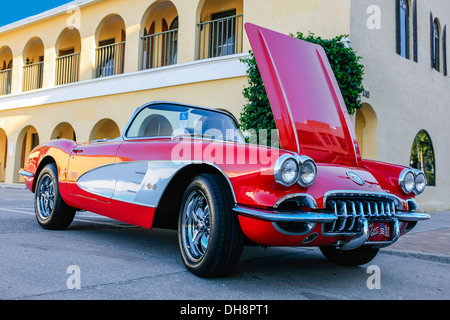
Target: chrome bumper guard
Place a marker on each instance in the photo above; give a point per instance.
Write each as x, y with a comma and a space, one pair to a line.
26, 174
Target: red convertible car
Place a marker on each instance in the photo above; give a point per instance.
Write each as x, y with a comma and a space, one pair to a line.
189, 168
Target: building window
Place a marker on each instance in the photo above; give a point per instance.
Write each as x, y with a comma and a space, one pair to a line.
415, 33
444, 50
435, 45
422, 156
403, 28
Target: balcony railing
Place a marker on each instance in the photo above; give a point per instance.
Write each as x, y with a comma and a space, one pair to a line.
109, 60
32, 76
5, 81
220, 37
67, 69
160, 49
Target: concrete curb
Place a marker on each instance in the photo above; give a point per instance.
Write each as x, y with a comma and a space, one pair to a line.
419, 255
13, 186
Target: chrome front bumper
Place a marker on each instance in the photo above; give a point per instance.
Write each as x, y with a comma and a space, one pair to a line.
275, 216
314, 216
358, 239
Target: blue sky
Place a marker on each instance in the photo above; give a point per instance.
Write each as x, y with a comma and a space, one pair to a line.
19, 9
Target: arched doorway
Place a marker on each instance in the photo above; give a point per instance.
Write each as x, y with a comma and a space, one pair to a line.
27, 140
68, 49
160, 35
64, 131
6, 62
33, 60
220, 28
366, 129
110, 52
105, 129
3, 154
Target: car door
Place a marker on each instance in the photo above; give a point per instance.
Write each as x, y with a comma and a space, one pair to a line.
91, 170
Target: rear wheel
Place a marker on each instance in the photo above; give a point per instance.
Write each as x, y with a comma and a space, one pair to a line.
52, 212
209, 234
355, 257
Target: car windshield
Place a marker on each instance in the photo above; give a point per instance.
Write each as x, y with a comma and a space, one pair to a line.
167, 120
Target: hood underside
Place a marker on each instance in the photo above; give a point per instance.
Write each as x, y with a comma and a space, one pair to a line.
305, 98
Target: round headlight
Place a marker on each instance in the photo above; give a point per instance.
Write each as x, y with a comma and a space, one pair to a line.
420, 182
407, 181
286, 170
308, 173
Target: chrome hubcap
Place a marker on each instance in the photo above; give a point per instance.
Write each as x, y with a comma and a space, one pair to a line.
45, 197
195, 226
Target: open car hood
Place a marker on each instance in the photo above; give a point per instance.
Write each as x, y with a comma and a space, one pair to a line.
307, 104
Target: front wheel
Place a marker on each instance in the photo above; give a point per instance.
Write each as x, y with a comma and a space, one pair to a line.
355, 257
52, 212
209, 234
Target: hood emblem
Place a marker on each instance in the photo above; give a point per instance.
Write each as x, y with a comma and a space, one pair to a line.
356, 178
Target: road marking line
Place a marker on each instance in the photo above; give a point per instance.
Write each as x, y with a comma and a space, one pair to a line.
76, 219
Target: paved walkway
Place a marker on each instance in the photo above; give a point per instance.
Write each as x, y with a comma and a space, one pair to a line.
429, 239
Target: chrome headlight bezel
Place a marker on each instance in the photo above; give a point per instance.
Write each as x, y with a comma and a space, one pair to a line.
420, 182
304, 163
407, 180
280, 167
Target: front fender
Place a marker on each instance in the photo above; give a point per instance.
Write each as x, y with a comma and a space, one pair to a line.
56, 151
387, 175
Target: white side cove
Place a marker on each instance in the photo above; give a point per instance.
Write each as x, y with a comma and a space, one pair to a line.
138, 182
141, 182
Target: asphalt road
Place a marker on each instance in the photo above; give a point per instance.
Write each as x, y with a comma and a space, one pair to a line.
98, 258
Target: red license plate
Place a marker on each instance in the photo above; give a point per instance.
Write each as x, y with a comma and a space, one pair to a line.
380, 231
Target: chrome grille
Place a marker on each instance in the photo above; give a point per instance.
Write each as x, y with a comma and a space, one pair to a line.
351, 211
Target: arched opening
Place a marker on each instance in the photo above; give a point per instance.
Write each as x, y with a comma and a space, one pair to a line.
160, 35
68, 50
33, 60
105, 129
422, 156
64, 131
6, 62
110, 52
366, 129
220, 29
27, 140
3, 154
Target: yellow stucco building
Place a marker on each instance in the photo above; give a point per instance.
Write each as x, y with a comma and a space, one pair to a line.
80, 70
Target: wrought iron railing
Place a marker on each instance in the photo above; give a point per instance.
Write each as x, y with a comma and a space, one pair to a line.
220, 37
67, 69
109, 60
160, 49
33, 76
5, 81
